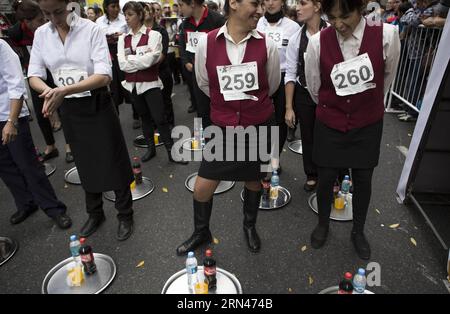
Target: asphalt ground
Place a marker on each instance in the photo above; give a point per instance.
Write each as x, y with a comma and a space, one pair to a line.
286, 263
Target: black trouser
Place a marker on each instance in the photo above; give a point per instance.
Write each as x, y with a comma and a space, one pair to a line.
44, 123
167, 81
362, 189
305, 111
123, 204
189, 76
279, 101
25, 176
203, 104
150, 107
174, 67
117, 91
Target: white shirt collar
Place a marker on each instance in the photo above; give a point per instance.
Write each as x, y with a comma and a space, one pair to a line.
224, 30
75, 22
358, 33
142, 31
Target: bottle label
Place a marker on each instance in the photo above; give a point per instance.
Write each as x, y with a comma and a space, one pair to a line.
86, 258
192, 270
137, 170
210, 271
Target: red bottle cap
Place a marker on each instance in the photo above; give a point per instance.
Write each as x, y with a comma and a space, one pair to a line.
348, 276
208, 253
82, 240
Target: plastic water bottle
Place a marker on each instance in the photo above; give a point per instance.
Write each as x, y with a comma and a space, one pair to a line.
274, 185
359, 281
191, 270
75, 248
345, 186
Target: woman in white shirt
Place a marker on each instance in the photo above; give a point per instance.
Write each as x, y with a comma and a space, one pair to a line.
139, 53
303, 107
75, 52
278, 28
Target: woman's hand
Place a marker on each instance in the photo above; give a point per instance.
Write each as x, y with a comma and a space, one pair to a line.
289, 118
9, 133
53, 99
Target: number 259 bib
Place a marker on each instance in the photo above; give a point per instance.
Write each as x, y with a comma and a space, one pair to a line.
69, 76
353, 76
235, 80
192, 40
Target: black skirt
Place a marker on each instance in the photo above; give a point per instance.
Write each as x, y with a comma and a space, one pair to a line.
93, 130
357, 148
242, 169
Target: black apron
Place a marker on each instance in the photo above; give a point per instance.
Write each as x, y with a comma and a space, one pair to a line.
93, 130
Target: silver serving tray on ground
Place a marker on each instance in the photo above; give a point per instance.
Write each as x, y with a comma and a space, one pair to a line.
8, 247
345, 214
141, 190
196, 154
55, 280
72, 176
223, 186
296, 147
335, 289
227, 283
140, 141
284, 197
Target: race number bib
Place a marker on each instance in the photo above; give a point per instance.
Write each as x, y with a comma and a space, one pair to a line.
276, 34
237, 79
69, 76
353, 76
193, 39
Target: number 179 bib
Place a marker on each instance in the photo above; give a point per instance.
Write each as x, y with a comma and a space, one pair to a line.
353, 76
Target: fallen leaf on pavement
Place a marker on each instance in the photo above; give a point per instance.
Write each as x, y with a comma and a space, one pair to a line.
140, 264
216, 241
289, 289
413, 241
304, 248
171, 176
394, 226
311, 280
378, 212
165, 190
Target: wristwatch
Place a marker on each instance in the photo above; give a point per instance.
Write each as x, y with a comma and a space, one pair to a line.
14, 123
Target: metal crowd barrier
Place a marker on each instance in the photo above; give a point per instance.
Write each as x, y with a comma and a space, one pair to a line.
416, 60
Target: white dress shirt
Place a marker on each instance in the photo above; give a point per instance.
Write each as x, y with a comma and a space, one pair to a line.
288, 27
110, 27
350, 49
85, 48
12, 82
292, 56
236, 52
134, 63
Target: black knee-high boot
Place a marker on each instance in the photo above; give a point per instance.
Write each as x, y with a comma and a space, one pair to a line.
151, 150
251, 208
202, 234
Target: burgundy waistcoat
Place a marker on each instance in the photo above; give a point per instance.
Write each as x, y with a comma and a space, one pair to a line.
344, 113
147, 75
240, 112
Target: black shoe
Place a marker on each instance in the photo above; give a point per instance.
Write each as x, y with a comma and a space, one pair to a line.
196, 240
319, 236
63, 221
136, 124
69, 157
125, 229
91, 226
53, 154
251, 208
191, 109
201, 235
362, 247
310, 187
21, 215
151, 152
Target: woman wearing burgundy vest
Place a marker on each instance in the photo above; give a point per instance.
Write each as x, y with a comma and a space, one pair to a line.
305, 108
139, 53
350, 107
254, 58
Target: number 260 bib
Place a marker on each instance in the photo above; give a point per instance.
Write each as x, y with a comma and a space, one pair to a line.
235, 80
353, 76
68, 76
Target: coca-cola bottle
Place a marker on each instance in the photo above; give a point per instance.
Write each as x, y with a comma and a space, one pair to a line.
137, 171
265, 188
87, 258
209, 269
346, 285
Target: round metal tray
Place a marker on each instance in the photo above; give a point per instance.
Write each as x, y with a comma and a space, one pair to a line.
196, 154
72, 176
345, 214
8, 247
284, 197
227, 283
140, 191
140, 141
49, 169
335, 289
296, 147
55, 280
223, 186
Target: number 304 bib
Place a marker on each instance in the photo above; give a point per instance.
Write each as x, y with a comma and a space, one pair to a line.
68, 76
353, 76
235, 80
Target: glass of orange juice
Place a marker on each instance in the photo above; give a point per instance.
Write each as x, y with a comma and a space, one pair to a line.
339, 201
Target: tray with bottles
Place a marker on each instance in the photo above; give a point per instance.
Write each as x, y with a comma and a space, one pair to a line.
267, 203
335, 290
